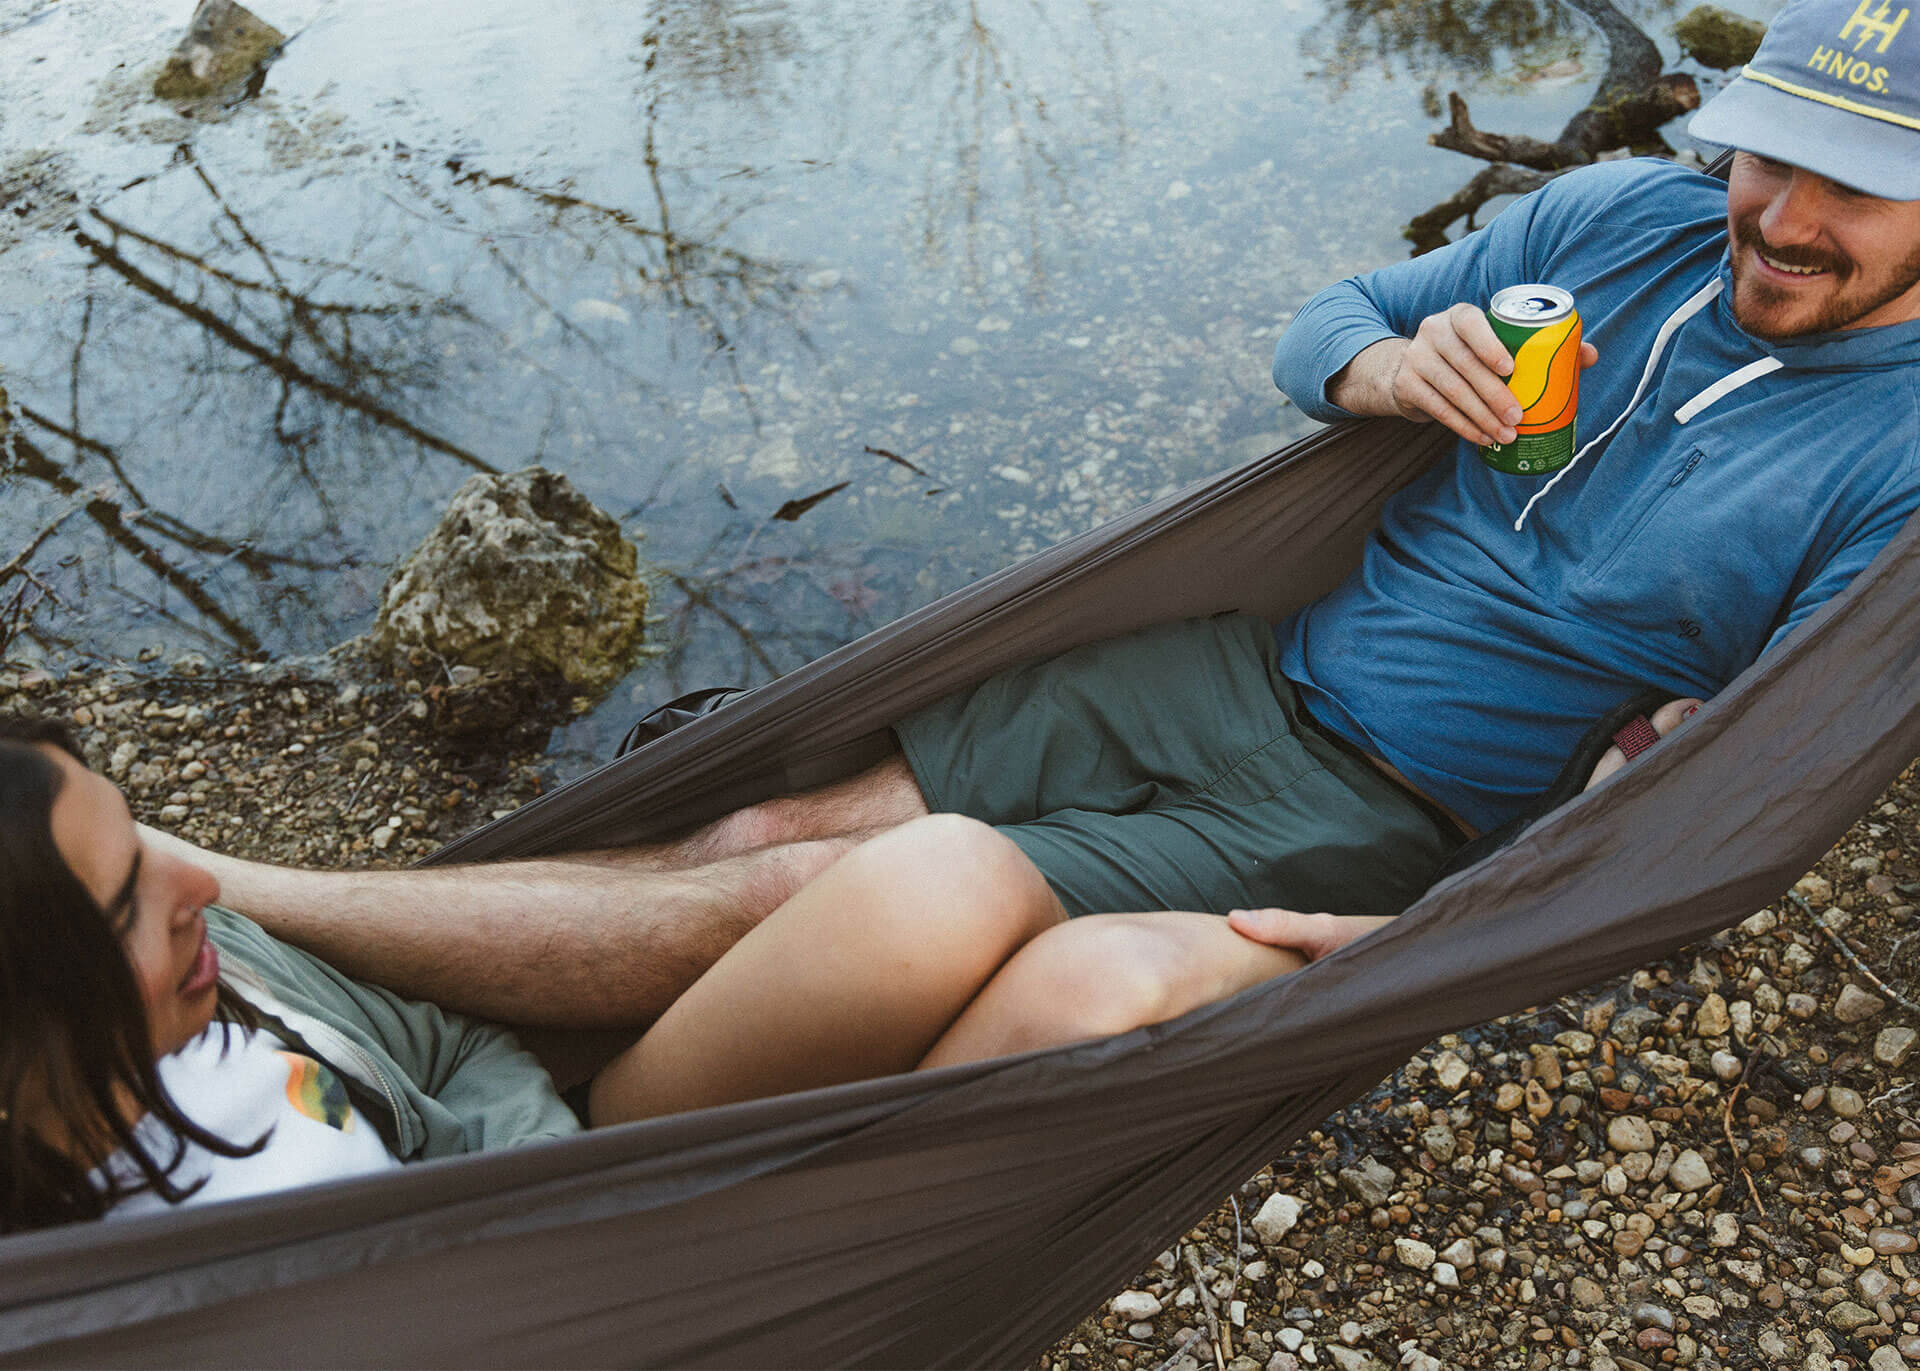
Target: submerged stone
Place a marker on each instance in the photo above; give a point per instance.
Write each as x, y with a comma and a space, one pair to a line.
1718, 38
523, 580
224, 44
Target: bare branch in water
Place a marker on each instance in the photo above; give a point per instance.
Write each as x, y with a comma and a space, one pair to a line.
111, 258
107, 513
1627, 109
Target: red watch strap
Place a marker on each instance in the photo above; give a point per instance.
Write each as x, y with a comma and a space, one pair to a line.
1635, 736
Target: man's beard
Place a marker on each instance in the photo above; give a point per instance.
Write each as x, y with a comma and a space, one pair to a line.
1754, 299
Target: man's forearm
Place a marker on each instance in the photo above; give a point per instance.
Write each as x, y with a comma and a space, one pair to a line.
1365, 385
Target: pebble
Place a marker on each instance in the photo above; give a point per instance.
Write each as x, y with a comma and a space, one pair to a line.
1845, 1101
1892, 1046
1369, 1182
1886, 1359
1450, 1071
1726, 1065
1711, 1020
1439, 1143
1134, 1305
1458, 1253
1814, 888
1847, 1316
1724, 1230
1875, 1285
1508, 1097
1414, 1254
1649, 1315
1629, 1133
1891, 1242
1855, 1005
1689, 1172
1587, 1292
1276, 1218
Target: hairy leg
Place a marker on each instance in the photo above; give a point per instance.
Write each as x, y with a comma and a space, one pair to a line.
1105, 974
557, 943
584, 940
853, 977
881, 797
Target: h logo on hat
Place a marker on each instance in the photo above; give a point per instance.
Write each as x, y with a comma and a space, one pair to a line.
1873, 25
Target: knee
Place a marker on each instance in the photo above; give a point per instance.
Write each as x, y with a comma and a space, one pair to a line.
967, 875
1095, 977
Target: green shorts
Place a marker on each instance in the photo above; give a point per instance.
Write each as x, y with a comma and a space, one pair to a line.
1175, 768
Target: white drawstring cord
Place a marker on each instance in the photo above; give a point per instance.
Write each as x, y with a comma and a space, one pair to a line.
1693, 306
1726, 385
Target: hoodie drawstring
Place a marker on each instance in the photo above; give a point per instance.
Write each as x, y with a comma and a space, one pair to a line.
1726, 385
1692, 306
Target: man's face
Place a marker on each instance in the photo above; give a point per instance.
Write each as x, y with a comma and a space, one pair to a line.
1811, 255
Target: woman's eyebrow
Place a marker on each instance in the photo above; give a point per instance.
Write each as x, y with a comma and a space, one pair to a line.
120, 906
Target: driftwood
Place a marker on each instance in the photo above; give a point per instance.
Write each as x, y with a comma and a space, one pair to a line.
1633, 100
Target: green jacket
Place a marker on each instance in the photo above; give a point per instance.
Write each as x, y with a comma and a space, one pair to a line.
434, 1083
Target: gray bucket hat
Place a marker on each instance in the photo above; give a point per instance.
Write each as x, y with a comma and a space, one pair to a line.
1834, 88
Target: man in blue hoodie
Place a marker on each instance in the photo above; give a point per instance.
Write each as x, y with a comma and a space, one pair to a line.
1750, 421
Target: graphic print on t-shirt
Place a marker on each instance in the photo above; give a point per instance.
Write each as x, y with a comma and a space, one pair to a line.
316, 1092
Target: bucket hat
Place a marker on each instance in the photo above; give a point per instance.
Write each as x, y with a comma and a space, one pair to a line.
1834, 88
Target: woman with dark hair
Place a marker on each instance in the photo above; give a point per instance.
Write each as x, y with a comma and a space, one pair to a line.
156, 1048
77, 1047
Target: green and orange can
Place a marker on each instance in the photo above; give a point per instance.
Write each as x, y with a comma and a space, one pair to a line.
1541, 328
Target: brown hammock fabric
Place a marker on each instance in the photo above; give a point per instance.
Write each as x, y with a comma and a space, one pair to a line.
968, 1217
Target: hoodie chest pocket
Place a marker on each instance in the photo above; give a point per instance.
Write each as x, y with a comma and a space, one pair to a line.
1657, 496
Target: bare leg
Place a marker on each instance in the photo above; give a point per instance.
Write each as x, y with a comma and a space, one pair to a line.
881, 797
555, 943
584, 940
1105, 974
855, 976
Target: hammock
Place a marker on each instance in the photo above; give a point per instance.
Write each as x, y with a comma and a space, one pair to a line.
970, 1216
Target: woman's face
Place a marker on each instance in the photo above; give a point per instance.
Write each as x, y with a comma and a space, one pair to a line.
152, 899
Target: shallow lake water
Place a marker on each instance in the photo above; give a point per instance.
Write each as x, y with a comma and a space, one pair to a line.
990, 271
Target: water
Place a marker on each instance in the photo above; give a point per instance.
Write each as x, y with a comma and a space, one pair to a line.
995, 269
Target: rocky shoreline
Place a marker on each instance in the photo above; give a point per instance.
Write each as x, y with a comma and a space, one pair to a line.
1713, 1162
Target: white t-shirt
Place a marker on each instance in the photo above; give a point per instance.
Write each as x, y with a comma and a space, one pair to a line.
256, 1084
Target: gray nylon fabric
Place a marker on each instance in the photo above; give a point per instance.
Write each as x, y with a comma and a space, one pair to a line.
969, 1217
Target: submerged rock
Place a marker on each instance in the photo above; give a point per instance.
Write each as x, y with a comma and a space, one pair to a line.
522, 587
225, 43
1718, 38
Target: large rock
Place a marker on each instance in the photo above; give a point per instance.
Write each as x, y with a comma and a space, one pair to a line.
523, 579
225, 44
1714, 37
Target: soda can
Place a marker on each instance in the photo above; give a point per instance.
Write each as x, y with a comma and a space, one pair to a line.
1540, 327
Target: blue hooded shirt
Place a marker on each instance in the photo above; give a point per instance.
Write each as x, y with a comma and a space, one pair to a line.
1727, 487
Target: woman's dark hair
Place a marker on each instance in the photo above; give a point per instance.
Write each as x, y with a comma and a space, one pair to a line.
72, 1024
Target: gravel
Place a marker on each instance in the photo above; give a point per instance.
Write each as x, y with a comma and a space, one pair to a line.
1727, 1175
